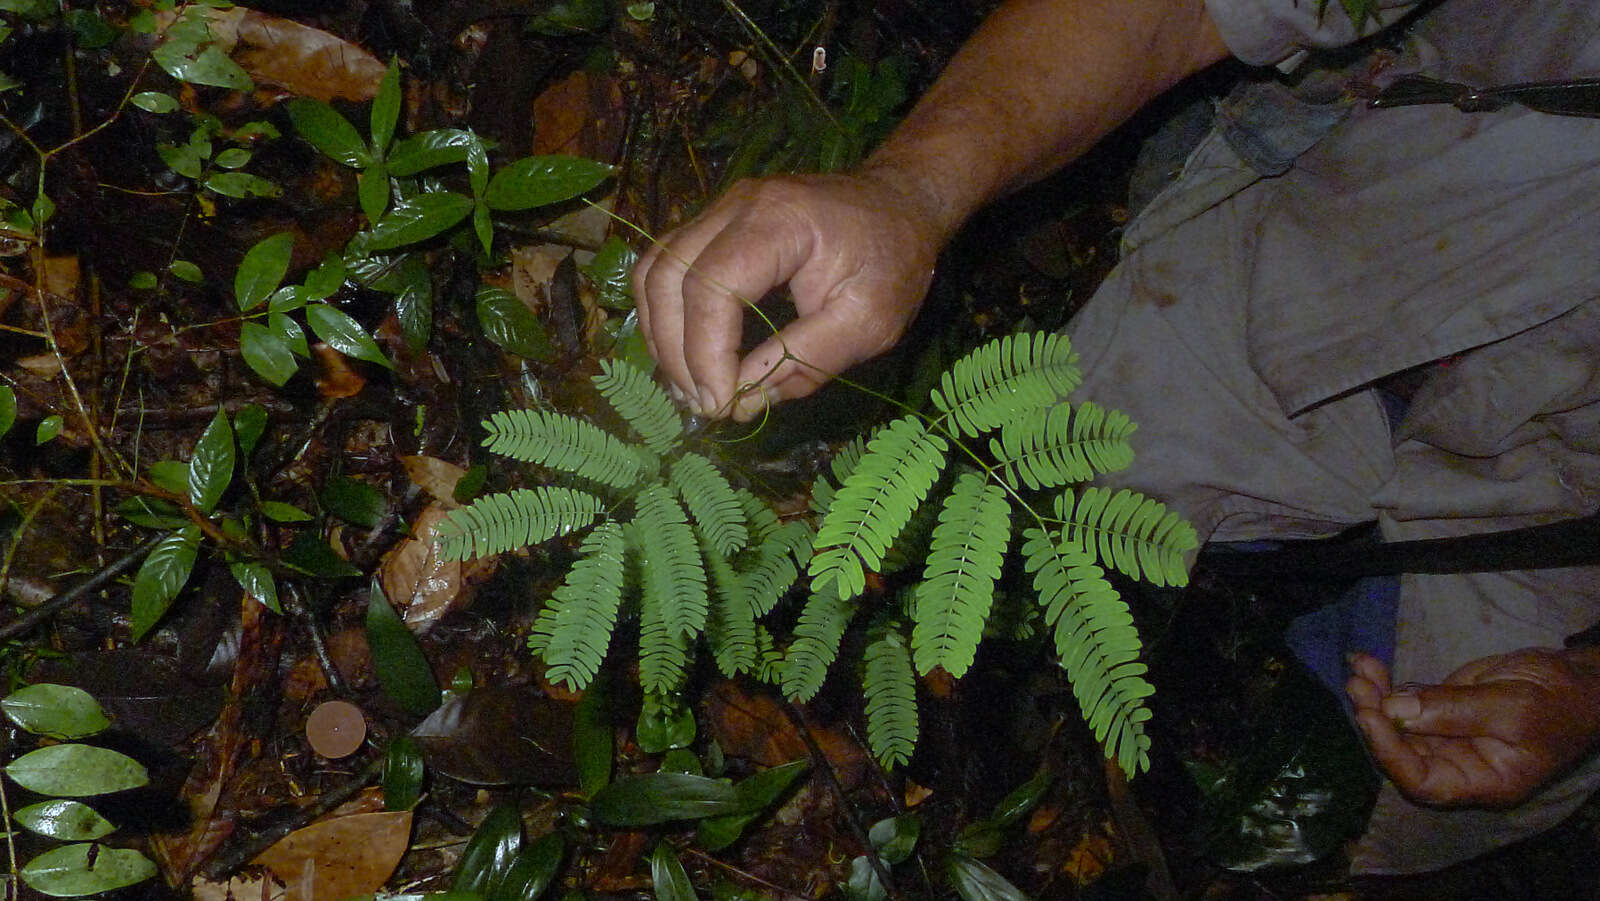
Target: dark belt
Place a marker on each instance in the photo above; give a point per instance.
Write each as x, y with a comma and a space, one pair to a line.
1580, 97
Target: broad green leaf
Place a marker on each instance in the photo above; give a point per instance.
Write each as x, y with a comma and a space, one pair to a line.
172, 475
758, 792
641, 12
90, 31
483, 227
184, 159
477, 168
288, 298
535, 181
568, 17
489, 853
325, 280
979, 838
611, 271
413, 302
262, 269
62, 712
532, 870
403, 771
386, 108
278, 511
290, 332
344, 334
402, 669
266, 353
668, 877
428, 149
152, 513
664, 724
211, 467
372, 191
508, 322
249, 424
593, 738
186, 271
250, 131
154, 101
143, 280
864, 883
241, 185
162, 576
974, 881
68, 821
68, 872
43, 208
257, 581
76, 771
894, 838
329, 132
354, 501
8, 408
209, 67
418, 219
662, 797
49, 428
233, 158
143, 22
1020, 801
311, 554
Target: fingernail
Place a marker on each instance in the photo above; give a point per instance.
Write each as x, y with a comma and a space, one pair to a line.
707, 401
1402, 706
677, 395
752, 401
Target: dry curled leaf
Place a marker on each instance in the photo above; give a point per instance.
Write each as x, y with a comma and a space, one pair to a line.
306, 61
435, 476
265, 887
340, 857
416, 579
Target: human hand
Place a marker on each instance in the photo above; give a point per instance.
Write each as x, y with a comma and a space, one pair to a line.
1495, 731
857, 257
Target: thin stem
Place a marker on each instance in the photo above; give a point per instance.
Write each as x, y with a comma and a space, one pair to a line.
38, 615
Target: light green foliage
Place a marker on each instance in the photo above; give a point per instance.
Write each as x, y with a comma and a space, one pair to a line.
957, 588
890, 689
711, 500
573, 631
641, 402
1006, 379
1129, 532
497, 523
774, 565
565, 443
1064, 446
731, 626
672, 577
816, 641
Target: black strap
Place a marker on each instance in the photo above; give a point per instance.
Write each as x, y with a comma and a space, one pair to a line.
1580, 97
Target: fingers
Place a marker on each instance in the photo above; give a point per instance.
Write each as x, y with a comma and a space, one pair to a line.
1460, 711
659, 285
807, 353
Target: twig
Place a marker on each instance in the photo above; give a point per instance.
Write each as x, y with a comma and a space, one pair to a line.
820, 761
319, 643
246, 851
33, 618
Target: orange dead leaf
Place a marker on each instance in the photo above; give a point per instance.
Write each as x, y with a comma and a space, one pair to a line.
916, 794
1088, 858
304, 60
434, 476
265, 887
337, 377
340, 857
416, 578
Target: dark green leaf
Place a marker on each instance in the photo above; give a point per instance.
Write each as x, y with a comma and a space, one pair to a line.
67, 871
418, 219
1022, 799
611, 271
667, 875
344, 334
143, 22
311, 554
681, 760
76, 771
402, 774
372, 191
184, 159
470, 483
325, 280
248, 426
567, 17
288, 299
428, 149
173, 475
354, 501
58, 711
152, 513
290, 332
489, 853
864, 883
162, 576
262, 269
979, 838
155, 101
413, 306
974, 881
758, 792
256, 580
186, 271
250, 131
894, 838
8, 408
508, 322
593, 738
277, 511
49, 428
386, 108
68, 821
233, 158
532, 870
266, 353
483, 227
143, 280
535, 181
664, 724
329, 132
43, 208
209, 66
89, 30
662, 797
402, 668
211, 468
241, 185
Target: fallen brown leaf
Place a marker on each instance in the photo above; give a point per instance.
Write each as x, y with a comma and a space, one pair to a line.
435, 476
416, 579
337, 378
340, 857
306, 61
264, 887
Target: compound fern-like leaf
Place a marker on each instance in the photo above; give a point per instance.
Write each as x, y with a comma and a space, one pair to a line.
760, 519
840, 466
731, 624
639, 400
573, 631
508, 520
711, 501
669, 562
663, 647
770, 569
953, 600
891, 692
1129, 532
565, 443
1096, 644
1062, 447
816, 642
1006, 378
901, 463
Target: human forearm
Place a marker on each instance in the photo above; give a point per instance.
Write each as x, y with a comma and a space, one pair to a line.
1037, 85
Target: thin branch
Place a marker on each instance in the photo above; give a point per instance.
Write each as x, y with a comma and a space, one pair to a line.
38, 615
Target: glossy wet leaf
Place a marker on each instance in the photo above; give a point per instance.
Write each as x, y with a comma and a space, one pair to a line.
758, 792
894, 838
154, 101
508, 322
372, 191
667, 875
241, 185
311, 554
233, 158
256, 580
278, 511
211, 467
864, 883
1021, 801
63, 820
293, 336
345, 856
567, 17
161, 576
172, 475
67, 872
483, 227
419, 218
262, 269
501, 735
266, 353
402, 668
662, 797
329, 132
611, 271
249, 424
49, 427
143, 280
325, 280
344, 334
536, 181
152, 513
403, 772
8, 408
354, 501
428, 149
386, 108
532, 870
208, 67
975, 881
593, 738
489, 853
58, 711
76, 771
145, 693
187, 271
980, 838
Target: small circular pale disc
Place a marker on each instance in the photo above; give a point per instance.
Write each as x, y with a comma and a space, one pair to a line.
336, 729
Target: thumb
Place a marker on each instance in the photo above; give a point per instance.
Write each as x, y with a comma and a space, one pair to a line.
1461, 711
